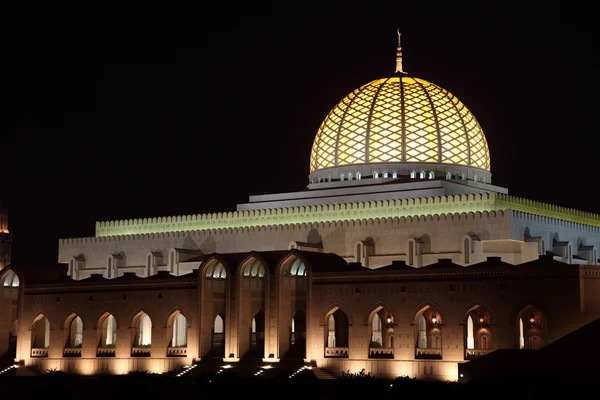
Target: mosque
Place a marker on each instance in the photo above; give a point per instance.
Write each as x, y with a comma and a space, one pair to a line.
400, 256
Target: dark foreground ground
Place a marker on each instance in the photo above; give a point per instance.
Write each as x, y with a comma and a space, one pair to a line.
304, 386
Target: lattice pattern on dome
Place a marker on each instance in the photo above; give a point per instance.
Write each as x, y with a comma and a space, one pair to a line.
420, 125
385, 142
400, 119
454, 141
353, 132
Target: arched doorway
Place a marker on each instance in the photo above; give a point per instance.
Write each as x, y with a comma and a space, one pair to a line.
257, 335
292, 288
298, 336
218, 337
215, 289
251, 305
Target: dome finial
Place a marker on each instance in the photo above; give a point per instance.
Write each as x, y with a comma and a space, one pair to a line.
399, 55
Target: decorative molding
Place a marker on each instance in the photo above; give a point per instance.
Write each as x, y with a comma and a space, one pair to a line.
335, 213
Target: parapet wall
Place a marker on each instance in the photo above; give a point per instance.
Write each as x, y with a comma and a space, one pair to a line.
344, 212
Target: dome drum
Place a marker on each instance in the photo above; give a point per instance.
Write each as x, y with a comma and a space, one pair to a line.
383, 172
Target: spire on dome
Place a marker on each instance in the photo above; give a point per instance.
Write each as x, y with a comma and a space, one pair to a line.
399, 55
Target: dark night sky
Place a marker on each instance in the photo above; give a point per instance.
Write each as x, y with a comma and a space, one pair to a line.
151, 120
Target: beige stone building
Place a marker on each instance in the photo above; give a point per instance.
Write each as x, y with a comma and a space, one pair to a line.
400, 256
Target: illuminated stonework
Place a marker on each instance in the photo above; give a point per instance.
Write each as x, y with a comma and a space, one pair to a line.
400, 119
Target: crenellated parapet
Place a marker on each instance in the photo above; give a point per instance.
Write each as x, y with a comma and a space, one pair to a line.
504, 201
285, 228
343, 212
301, 214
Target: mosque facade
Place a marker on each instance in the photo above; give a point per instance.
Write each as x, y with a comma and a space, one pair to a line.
400, 256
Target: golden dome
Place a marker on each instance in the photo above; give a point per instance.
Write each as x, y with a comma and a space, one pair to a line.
399, 120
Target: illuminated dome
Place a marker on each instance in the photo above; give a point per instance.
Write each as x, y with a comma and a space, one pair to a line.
403, 126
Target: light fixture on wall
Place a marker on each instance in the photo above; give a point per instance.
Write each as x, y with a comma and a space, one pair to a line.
389, 319
532, 319
434, 318
481, 318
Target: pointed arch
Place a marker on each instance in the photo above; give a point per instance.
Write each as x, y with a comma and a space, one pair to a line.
39, 315
333, 307
424, 306
103, 314
255, 263
172, 313
472, 306
70, 314
136, 314
367, 317
211, 267
525, 304
284, 262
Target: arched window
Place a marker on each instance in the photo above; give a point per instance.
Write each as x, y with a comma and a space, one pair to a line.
470, 338
483, 179
413, 174
111, 331
218, 324
464, 176
216, 271
358, 176
385, 174
179, 331
422, 333
144, 331
377, 332
11, 280
342, 176
331, 330
329, 178
375, 174
298, 268
475, 177
431, 175
319, 179
75, 332
350, 176
521, 338
467, 250
448, 175
254, 269
394, 175
422, 175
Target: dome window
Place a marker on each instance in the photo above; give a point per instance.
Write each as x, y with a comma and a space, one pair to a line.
431, 175
394, 174
475, 178
319, 180
375, 174
422, 175
358, 176
342, 176
329, 178
483, 180
413, 174
463, 176
385, 174
350, 176
448, 175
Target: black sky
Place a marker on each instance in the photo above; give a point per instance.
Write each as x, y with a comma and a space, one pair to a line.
180, 117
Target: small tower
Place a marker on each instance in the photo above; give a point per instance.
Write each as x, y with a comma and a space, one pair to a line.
5, 238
